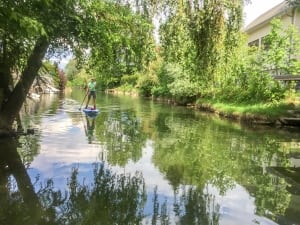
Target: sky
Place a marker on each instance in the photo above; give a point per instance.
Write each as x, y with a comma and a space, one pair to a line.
258, 7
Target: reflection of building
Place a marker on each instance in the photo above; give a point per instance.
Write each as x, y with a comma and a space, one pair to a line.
291, 176
260, 27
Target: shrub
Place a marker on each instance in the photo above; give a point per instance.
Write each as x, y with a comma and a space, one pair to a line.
145, 85
130, 79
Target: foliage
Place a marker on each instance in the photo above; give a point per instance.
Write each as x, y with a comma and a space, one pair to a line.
62, 80
29, 29
71, 70
128, 48
130, 79
128, 43
108, 38
206, 43
176, 82
129, 82
146, 84
208, 36
23, 23
80, 79
56, 74
176, 44
281, 50
202, 41
165, 77
253, 82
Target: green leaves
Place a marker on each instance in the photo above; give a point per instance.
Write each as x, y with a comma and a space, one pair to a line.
281, 50
121, 44
32, 27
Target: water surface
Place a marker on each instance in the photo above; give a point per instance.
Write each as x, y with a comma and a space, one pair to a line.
141, 162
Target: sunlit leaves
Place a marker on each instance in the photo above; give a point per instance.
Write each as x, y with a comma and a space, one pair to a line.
196, 35
281, 49
123, 44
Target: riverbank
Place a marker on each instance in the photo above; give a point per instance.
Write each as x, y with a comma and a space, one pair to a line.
283, 114
286, 113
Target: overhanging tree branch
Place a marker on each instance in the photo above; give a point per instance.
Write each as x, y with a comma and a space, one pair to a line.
16, 99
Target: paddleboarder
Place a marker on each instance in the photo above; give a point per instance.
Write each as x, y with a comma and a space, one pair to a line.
91, 89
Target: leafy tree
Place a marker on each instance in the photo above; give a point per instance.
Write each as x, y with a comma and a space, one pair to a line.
32, 30
29, 29
202, 38
281, 47
57, 75
128, 47
71, 70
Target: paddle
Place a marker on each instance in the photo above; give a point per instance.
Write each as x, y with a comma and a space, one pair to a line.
83, 101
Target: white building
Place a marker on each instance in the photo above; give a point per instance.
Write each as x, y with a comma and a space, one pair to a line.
261, 26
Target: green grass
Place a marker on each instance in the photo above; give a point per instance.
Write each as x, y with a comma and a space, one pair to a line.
266, 110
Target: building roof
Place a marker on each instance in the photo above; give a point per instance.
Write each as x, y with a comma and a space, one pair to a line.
277, 10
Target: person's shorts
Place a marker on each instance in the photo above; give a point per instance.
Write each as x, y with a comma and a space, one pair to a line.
92, 93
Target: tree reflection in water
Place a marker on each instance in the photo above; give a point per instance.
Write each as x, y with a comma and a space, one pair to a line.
109, 199
191, 207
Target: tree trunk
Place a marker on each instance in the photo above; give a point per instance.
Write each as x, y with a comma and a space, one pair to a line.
12, 106
5, 75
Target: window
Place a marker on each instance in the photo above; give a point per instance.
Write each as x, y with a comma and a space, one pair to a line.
254, 43
264, 44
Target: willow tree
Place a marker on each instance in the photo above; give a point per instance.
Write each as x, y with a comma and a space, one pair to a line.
201, 35
208, 38
234, 46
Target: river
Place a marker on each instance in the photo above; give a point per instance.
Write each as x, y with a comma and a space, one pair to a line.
143, 162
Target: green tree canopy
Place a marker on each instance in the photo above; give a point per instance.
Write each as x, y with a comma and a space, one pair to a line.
32, 30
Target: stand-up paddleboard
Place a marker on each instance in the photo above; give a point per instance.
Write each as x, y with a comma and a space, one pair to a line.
91, 112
